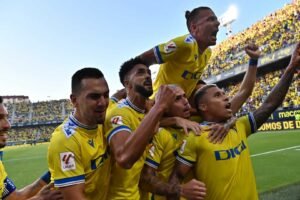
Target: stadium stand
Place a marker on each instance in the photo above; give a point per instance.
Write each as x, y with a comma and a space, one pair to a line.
276, 31
34, 122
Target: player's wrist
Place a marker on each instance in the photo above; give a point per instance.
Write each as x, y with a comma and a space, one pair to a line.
253, 61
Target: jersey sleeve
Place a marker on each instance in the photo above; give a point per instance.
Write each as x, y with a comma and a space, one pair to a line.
172, 50
9, 187
158, 146
187, 153
65, 161
118, 120
249, 124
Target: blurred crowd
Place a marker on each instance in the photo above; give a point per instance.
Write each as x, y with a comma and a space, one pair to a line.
36, 121
278, 30
263, 86
38, 113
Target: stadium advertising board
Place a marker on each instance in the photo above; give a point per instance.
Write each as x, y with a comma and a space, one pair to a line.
288, 119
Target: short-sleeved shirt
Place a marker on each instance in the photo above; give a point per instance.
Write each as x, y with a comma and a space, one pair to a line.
161, 154
78, 154
124, 182
226, 168
180, 63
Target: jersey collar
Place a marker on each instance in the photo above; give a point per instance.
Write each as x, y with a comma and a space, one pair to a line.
134, 107
79, 124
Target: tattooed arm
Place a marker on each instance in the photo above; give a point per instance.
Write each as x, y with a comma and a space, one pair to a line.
278, 93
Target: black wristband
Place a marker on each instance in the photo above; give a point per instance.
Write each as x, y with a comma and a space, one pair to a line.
253, 61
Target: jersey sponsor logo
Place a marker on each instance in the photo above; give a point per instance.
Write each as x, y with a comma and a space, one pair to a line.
170, 47
117, 120
190, 75
67, 161
230, 153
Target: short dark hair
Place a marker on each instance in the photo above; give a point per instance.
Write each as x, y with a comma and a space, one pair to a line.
200, 93
83, 74
201, 82
1, 100
193, 15
128, 65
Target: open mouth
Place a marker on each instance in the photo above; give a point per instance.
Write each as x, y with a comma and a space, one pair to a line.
214, 34
148, 83
228, 106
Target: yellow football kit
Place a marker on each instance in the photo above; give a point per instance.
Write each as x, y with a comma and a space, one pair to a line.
225, 168
161, 154
77, 154
124, 182
3, 176
180, 63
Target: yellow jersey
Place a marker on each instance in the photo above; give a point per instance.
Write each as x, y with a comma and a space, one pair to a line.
124, 182
225, 168
3, 176
161, 154
180, 63
78, 154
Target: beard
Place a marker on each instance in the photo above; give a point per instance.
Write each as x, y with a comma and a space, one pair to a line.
143, 91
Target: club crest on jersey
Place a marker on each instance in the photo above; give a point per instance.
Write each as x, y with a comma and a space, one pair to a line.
170, 47
117, 120
67, 161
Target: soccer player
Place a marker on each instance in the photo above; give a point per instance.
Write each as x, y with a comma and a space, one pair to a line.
8, 189
239, 98
129, 131
160, 158
226, 168
77, 154
183, 59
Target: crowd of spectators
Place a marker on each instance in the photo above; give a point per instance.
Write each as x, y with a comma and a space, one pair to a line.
28, 113
278, 30
30, 135
36, 121
263, 87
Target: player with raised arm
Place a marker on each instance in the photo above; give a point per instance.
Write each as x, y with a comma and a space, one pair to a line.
226, 168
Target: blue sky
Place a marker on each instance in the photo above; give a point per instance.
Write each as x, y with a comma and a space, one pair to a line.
42, 43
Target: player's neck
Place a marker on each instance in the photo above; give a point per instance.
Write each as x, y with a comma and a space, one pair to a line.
137, 100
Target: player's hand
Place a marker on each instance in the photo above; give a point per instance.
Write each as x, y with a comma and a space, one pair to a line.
193, 189
188, 125
48, 193
252, 51
120, 94
295, 59
165, 97
219, 131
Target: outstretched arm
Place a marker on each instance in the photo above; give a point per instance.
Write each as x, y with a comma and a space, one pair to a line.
278, 93
248, 82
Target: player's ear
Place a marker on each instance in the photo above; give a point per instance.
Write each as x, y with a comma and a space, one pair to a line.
202, 107
73, 99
